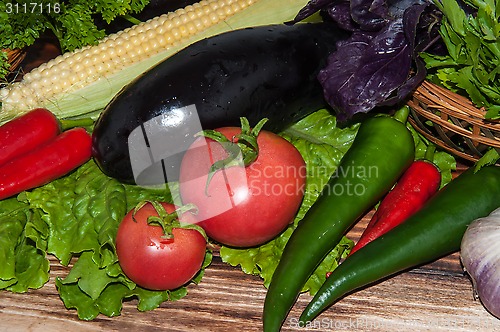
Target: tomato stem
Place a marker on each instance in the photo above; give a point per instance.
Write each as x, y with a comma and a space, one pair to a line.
169, 221
242, 149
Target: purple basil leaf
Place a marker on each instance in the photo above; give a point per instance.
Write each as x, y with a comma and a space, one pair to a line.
407, 88
421, 32
311, 8
338, 71
340, 12
371, 15
366, 69
411, 18
426, 33
397, 8
379, 64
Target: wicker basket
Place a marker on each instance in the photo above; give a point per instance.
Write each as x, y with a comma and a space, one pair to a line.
15, 58
452, 122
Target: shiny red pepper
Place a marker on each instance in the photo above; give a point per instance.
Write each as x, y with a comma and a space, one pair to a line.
26, 133
46, 163
419, 182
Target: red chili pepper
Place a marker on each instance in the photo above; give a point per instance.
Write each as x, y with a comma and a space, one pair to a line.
27, 132
419, 182
48, 162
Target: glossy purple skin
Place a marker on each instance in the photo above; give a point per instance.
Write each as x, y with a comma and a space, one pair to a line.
262, 72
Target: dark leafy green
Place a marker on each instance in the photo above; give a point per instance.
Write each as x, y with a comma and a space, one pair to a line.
379, 65
471, 65
72, 22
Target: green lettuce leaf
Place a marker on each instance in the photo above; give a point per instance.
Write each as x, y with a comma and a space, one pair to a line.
32, 267
23, 262
12, 221
83, 211
75, 218
93, 290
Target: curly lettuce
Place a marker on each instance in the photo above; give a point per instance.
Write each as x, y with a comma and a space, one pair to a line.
75, 219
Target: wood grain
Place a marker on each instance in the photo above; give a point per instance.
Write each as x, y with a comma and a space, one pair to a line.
434, 297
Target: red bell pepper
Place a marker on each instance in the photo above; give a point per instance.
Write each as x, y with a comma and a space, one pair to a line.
419, 182
45, 163
26, 133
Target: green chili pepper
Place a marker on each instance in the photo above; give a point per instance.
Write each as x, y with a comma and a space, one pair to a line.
433, 232
381, 152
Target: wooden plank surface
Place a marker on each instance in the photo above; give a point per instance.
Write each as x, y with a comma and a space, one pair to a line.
434, 297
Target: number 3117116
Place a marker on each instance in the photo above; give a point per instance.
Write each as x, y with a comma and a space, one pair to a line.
32, 8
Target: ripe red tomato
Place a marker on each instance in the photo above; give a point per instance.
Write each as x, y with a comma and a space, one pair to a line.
244, 206
154, 262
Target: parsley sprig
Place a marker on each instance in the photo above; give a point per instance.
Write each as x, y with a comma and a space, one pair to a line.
473, 41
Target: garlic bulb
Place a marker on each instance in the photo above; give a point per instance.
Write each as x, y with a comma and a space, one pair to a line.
480, 255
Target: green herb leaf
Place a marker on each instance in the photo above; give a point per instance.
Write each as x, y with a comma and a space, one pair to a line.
4, 65
72, 22
489, 158
471, 67
24, 266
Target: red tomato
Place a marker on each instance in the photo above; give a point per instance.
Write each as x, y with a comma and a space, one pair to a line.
154, 262
244, 206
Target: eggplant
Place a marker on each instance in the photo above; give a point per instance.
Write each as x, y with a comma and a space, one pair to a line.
260, 72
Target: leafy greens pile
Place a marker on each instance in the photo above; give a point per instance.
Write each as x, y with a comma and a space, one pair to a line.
72, 22
379, 65
472, 65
